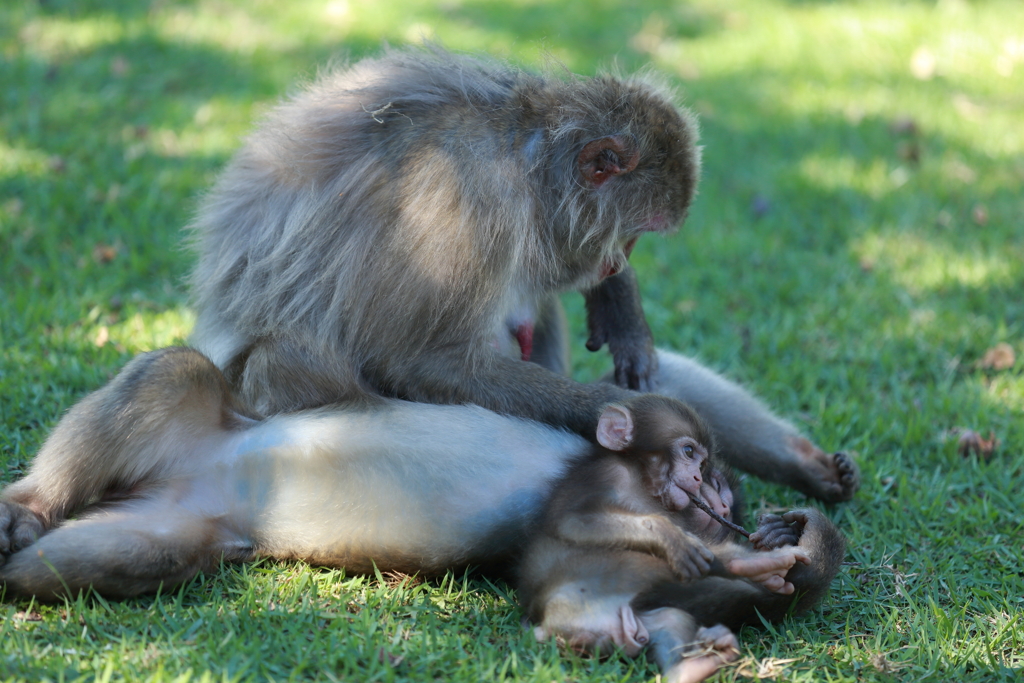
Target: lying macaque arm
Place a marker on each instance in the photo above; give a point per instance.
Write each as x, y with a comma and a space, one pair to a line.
687, 556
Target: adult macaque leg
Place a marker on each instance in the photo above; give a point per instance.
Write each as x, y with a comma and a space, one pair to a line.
120, 553
751, 437
161, 410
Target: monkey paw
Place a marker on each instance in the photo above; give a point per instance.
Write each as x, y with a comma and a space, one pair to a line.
831, 477
774, 532
712, 648
19, 528
689, 560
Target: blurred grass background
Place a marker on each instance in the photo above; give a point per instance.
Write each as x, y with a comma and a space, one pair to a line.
856, 255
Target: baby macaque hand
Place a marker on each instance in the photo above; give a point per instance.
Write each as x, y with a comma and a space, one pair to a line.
689, 559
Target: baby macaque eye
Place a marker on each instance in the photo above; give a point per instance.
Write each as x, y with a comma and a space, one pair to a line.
688, 450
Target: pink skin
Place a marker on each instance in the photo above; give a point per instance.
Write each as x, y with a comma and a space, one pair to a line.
767, 568
612, 266
722, 647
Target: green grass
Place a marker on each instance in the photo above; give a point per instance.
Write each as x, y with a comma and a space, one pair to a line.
854, 288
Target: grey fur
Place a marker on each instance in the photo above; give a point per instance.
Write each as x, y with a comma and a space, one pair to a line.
376, 230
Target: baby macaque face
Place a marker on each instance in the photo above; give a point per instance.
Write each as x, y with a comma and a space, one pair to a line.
716, 492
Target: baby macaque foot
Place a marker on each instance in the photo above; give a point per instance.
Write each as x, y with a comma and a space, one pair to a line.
19, 528
831, 477
712, 648
774, 532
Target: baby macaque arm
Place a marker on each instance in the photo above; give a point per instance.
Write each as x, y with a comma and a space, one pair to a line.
687, 556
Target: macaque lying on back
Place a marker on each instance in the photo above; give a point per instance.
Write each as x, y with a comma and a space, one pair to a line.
163, 473
625, 559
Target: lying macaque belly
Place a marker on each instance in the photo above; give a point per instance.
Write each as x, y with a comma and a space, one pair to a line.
413, 487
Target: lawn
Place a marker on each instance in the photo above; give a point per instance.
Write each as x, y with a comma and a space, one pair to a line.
855, 255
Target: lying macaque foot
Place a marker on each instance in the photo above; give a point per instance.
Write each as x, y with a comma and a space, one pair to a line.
19, 528
713, 648
774, 532
831, 477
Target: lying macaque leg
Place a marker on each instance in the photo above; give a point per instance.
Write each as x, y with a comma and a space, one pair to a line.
121, 553
752, 438
685, 652
774, 532
163, 410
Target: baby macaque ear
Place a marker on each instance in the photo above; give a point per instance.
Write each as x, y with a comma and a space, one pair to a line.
615, 428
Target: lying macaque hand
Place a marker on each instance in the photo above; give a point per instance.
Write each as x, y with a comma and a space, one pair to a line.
769, 568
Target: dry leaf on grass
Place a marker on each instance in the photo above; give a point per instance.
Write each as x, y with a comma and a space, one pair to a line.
971, 442
104, 253
770, 667
881, 662
999, 357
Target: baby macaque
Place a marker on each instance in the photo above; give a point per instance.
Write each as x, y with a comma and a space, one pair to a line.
625, 560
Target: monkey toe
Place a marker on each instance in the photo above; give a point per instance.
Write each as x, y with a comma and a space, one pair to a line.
849, 474
719, 637
19, 528
713, 647
776, 538
773, 532
830, 477
690, 566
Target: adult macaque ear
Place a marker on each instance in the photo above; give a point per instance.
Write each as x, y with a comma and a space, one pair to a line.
615, 428
608, 157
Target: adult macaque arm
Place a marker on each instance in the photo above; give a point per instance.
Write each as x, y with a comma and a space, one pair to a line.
504, 385
615, 316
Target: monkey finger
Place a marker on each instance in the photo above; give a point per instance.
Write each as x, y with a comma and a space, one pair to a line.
634, 368
798, 517
773, 582
596, 341
691, 566
800, 556
768, 519
773, 562
777, 537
